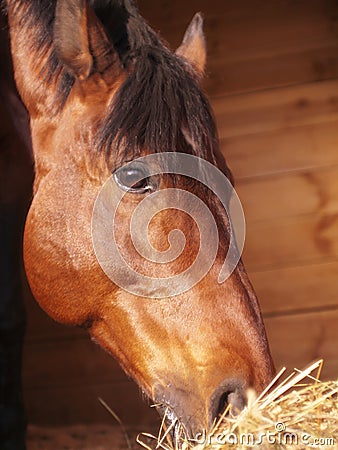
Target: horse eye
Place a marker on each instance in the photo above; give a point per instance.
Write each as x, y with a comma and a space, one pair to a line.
134, 179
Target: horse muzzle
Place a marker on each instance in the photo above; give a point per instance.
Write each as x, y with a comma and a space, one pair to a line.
190, 415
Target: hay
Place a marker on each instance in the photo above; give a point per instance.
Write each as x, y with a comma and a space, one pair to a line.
301, 412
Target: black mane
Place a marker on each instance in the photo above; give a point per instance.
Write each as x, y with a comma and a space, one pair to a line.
159, 104
159, 101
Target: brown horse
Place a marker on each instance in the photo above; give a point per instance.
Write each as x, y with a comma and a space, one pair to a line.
102, 89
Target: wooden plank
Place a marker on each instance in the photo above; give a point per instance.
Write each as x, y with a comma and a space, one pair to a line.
168, 12
256, 47
308, 192
284, 108
298, 340
95, 436
303, 288
247, 27
271, 33
292, 241
68, 362
79, 404
285, 28
268, 72
299, 148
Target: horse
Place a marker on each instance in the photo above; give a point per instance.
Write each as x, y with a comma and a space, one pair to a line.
103, 93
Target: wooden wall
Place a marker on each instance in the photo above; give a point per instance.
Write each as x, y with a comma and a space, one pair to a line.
273, 81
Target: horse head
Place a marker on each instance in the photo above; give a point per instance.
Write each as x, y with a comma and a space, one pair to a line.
104, 94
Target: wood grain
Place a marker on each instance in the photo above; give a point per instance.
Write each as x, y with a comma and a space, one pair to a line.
79, 404
299, 339
290, 195
256, 45
275, 152
86, 364
277, 109
297, 289
291, 241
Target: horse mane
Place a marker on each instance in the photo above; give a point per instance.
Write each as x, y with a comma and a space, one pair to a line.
159, 107
159, 104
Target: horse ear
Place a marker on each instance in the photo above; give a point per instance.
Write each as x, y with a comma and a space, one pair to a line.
80, 40
193, 47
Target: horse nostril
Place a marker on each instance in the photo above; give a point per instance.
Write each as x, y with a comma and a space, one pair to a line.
233, 396
222, 404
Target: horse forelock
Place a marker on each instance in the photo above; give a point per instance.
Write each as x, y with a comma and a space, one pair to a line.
159, 107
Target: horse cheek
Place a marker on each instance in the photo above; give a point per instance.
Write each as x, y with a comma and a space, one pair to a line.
55, 283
